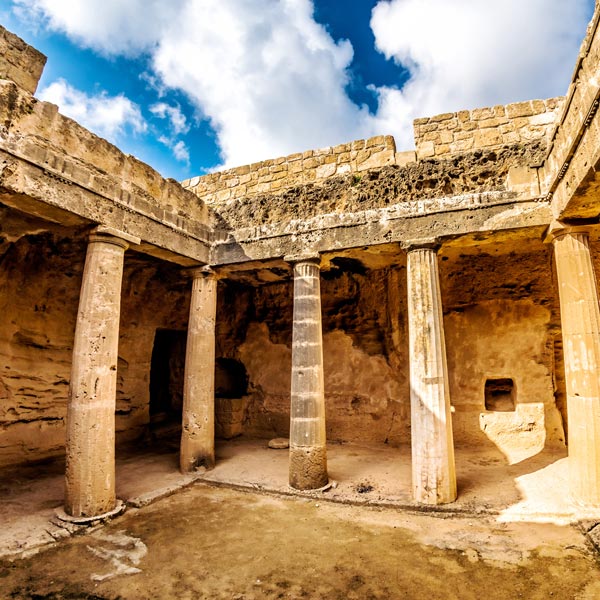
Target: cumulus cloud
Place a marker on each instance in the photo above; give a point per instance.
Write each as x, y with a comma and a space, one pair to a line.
109, 26
469, 53
107, 116
178, 147
271, 80
177, 119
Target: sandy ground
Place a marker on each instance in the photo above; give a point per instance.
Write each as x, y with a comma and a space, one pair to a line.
531, 491
207, 542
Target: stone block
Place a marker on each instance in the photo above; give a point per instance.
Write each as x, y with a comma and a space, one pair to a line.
378, 159
487, 137
389, 142
222, 195
404, 158
446, 137
538, 106
20, 62
378, 140
441, 117
326, 170
519, 109
426, 150
310, 163
523, 180
545, 118
493, 122
479, 114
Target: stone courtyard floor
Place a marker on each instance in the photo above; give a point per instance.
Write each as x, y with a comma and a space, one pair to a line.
240, 532
213, 543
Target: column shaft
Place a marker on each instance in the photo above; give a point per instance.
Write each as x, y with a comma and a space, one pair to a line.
580, 318
90, 466
308, 457
433, 470
198, 424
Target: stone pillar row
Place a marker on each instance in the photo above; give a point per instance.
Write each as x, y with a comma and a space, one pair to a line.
90, 480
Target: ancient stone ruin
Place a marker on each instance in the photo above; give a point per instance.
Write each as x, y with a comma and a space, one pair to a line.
442, 297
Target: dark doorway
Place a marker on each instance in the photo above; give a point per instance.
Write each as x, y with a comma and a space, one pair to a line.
166, 376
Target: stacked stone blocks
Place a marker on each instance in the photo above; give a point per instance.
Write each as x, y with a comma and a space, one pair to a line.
275, 175
452, 133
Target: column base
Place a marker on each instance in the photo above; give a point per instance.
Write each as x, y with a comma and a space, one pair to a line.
189, 465
308, 467
119, 508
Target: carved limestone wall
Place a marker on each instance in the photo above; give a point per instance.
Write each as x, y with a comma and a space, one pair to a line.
40, 280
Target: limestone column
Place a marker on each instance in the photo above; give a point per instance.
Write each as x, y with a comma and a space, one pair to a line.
308, 457
198, 425
580, 320
90, 443
433, 470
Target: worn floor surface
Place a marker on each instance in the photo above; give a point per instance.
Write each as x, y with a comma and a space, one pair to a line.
220, 543
533, 490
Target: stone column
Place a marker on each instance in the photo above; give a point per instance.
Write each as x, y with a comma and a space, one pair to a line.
580, 320
198, 425
90, 443
433, 470
308, 457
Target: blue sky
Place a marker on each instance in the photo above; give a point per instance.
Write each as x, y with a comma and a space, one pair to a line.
193, 85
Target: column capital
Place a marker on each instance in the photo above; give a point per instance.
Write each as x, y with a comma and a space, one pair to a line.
421, 244
557, 229
312, 257
203, 272
110, 235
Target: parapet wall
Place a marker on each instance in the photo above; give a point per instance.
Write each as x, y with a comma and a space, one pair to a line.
452, 133
436, 137
275, 175
20, 62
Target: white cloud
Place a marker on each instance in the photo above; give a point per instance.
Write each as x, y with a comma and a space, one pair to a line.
469, 53
179, 149
181, 152
176, 118
107, 116
109, 26
272, 80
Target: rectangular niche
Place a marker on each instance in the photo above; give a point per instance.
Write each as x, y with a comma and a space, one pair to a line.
500, 395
